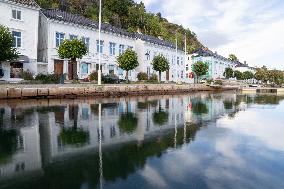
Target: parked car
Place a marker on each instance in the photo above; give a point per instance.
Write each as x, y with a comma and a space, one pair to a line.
110, 79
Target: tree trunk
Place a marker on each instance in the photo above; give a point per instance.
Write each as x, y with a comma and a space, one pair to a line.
160, 77
74, 63
127, 76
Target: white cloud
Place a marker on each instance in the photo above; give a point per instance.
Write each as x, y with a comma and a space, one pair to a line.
252, 29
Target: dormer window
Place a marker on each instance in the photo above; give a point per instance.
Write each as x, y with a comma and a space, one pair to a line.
16, 14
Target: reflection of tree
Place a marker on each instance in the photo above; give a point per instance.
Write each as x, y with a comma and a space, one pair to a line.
145, 105
264, 99
199, 107
228, 105
118, 162
8, 144
74, 136
160, 117
127, 122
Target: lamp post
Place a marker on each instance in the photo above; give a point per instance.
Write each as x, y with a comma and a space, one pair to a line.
100, 25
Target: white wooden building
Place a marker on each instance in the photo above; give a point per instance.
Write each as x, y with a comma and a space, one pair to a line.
22, 18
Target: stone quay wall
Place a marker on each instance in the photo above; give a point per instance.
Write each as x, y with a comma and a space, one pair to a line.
82, 90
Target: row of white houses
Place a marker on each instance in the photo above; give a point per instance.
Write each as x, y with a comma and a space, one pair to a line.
38, 33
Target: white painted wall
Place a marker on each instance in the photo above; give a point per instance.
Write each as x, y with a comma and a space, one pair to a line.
28, 26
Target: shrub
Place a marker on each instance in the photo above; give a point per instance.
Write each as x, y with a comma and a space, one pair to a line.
93, 76
142, 76
28, 75
218, 82
153, 78
48, 79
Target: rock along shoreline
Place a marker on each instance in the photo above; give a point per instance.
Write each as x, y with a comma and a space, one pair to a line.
87, 90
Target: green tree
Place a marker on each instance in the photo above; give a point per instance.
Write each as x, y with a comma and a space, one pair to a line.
262, 74
200, 68
233, 57
239, 75
248, 75
127, 122
160, 64
7, 50
229, 73
72, 49
128, 61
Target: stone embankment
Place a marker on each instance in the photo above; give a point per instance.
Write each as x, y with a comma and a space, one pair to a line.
73, 91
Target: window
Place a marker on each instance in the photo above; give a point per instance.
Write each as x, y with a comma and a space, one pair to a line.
73, 37
130, 47
177, 60
17, 39
120, 71
121, 49
112, 48
86, 41
181, 61
16, 14
148, 55
100, 45
59, 38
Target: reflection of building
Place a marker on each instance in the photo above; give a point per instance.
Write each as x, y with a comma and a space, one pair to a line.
26, 157
21, 17
41, 125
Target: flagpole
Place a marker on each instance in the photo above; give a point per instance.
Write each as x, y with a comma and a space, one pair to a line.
100, 26
176, 59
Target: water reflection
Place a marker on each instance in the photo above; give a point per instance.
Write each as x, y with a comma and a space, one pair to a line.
87, 143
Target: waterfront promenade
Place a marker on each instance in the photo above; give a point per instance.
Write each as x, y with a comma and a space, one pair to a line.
15, 91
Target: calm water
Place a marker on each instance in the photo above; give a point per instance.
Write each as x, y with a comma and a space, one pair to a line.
190, 141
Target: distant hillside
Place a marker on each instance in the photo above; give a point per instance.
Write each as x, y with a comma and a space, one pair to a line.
130, 16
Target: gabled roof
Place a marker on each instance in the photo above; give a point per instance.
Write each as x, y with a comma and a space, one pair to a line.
83, 21
31, 3
155, 40
204, 53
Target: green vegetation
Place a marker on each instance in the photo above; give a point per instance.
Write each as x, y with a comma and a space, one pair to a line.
128, 15
127, 122
142, 76
48, 79
128, 61
93, 76
160, 64
239, 75
8, 52
229, 73
27, 75
74, 136
200, 69
273, 76
153, 78
72, 49
233, 57
248, 75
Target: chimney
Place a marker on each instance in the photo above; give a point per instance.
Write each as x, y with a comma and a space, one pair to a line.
160, 37
139, 31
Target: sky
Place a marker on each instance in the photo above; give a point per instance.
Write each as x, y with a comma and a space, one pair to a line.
251, 29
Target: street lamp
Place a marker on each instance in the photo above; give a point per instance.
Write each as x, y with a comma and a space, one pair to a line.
100, 26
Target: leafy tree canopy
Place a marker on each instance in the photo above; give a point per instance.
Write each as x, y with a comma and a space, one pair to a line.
233, 57
128, 60
229, 73
239, 75
160, 63
200, 68
7, 51
72, 49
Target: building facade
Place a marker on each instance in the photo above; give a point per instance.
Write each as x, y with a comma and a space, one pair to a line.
217, 63
22, 18
56, 26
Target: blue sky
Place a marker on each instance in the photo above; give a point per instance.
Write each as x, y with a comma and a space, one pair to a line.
251, 29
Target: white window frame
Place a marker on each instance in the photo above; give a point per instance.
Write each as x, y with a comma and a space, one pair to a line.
72, 36
112, 48
16, 39
86, 41
17, 11
100, 46
60, 39
121, 49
